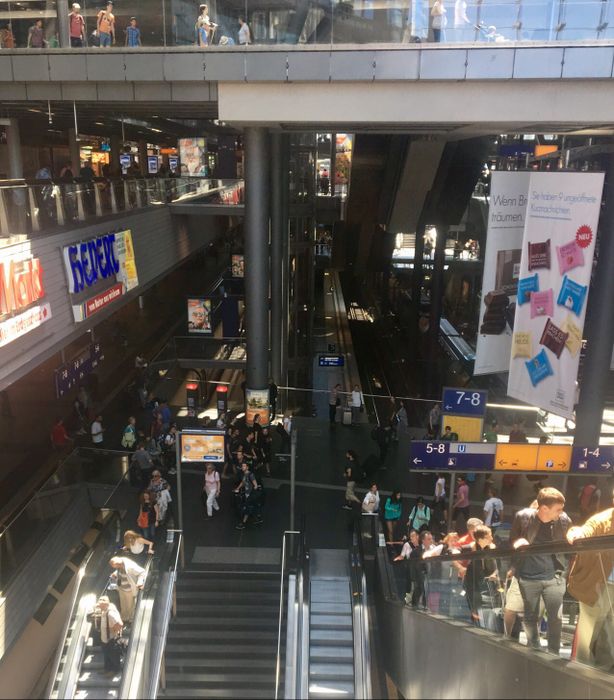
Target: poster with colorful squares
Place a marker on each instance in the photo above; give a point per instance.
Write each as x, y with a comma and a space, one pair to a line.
555, 272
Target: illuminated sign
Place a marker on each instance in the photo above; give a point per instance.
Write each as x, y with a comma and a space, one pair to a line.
464, 402
21, 286
331, 360
206, 446
593, 460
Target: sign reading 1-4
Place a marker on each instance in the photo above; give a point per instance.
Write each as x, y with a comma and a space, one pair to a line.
464, 402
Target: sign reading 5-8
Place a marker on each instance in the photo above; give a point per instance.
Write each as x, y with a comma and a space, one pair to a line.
464, 402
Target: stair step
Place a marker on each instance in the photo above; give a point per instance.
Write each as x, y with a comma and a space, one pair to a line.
211, 610
328, 653
227, 584
330, 622
226, 597
220, 622
212, 648
219, 692
197, 661
331, 608
331, 637
222, 634
326, 689
94, 693
332, 670
232, 678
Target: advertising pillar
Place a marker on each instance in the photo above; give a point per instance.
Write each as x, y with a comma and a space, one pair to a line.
257, 264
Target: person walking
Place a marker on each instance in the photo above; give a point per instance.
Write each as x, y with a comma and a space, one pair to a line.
135, 544
370, 503
129, 434
59, 436
493, 510
130, 580
211, 489
105, 26
434, 421
245, 35
440, 511
36, 35
141, 466
133, 34
356, 403
97, 432
334, 400
541, 576
393, 509
351, 474
420, 516
461, 503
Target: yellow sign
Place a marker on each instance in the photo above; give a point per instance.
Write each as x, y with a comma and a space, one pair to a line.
202, 448
514, 457
467, 429
554, 458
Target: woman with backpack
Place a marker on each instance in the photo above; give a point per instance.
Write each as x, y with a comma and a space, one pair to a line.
420, 516
352, 474
393, 509
493, 510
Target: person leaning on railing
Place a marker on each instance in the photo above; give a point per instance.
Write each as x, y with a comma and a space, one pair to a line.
591, 583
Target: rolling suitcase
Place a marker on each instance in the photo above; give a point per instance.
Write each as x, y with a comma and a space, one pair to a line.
347, 415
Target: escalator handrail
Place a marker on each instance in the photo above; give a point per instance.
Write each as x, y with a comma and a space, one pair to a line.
360, 620
281, 607
157, 654
60, 651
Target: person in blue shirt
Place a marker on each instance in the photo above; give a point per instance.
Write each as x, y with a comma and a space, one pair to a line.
133, 34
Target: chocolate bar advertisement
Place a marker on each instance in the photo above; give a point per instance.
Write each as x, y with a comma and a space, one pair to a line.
506, 218
555, 273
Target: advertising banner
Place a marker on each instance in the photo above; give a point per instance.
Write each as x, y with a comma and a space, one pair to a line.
199, 316
202, 447
193, 156
124, 252
238, 266
506, 217
257, 402
555, 273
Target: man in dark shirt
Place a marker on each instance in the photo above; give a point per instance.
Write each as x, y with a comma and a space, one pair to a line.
541, 575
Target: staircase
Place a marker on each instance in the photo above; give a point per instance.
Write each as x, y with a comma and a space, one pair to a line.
223, 641
331, 647
93, 681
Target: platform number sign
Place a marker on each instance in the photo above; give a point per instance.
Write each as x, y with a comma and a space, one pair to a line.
464, 402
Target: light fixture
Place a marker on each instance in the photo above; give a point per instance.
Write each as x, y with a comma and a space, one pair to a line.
158, 131
74, 109
49, 115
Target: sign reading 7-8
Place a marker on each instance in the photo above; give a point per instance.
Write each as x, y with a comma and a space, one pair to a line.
464, 402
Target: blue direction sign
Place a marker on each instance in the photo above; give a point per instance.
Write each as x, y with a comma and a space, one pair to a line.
452, 456
331, 360
464, 402
593, 460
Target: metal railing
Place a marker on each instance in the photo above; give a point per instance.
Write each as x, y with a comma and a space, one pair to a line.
33, 208
360, 620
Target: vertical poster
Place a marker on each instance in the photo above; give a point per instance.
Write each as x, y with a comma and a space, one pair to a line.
199, 316
555, 273
238, 266
192, 153
124, 251
506, 218
257, 403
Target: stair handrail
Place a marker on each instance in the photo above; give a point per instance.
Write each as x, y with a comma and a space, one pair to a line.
360, 620
281, 606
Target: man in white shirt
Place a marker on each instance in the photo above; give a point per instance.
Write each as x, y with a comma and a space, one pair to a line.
110, 625
356, 403
130, 580
245, 36
370, 504
493, 509
462, 23
97, 431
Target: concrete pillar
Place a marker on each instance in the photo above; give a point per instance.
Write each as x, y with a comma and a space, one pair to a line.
277, 234
600, 327
257, 256
285, 269
63, 28
143, 158
75, 152
436, 302
116, 145
333, 162
13, 142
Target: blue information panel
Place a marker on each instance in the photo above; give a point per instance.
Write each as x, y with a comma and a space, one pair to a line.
331, 360
593, 460
464, 402
452, 456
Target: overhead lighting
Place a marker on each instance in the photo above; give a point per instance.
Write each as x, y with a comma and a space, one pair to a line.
99, 123
158, 131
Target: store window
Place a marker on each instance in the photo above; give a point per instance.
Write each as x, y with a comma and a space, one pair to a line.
16, 19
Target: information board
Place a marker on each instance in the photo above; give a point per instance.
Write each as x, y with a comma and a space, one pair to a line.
593, 460
452, 456
464, 402
331, 360
204, 446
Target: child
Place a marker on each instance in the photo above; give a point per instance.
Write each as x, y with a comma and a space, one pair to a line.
133, 34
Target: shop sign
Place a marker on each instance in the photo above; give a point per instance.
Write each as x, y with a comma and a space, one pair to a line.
21, 286
103, 299
90, 261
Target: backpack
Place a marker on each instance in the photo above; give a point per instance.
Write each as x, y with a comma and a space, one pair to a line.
495, 518
143, 519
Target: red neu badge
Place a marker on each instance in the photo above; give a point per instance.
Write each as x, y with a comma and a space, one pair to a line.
584, 236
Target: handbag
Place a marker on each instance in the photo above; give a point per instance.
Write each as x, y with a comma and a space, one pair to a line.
143, 519
94, 38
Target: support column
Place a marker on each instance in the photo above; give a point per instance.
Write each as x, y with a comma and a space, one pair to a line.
13, 142
436, 302
285, 269
277, 233
116, 145
63, 29
333, 163
600, 329
17, 212
257, 256
143, 158
75, 152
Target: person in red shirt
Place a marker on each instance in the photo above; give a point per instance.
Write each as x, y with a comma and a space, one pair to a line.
59, 436
465, 542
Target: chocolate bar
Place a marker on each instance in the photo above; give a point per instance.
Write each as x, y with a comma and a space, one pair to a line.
542, 303
526, 285
492, 328
521, 344
493, 321
539, 367
539, 256
510, 315
554, 338
572, 295
574, 336
569, 255
496, 298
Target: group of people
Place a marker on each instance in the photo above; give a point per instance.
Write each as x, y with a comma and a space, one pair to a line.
521, 583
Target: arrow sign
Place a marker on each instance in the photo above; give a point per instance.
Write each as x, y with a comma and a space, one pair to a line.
417, 461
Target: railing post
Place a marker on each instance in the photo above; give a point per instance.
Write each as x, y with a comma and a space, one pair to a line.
80, 209
113, 198
139, 193
4, 220
127, 196
97, 199
59, 205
